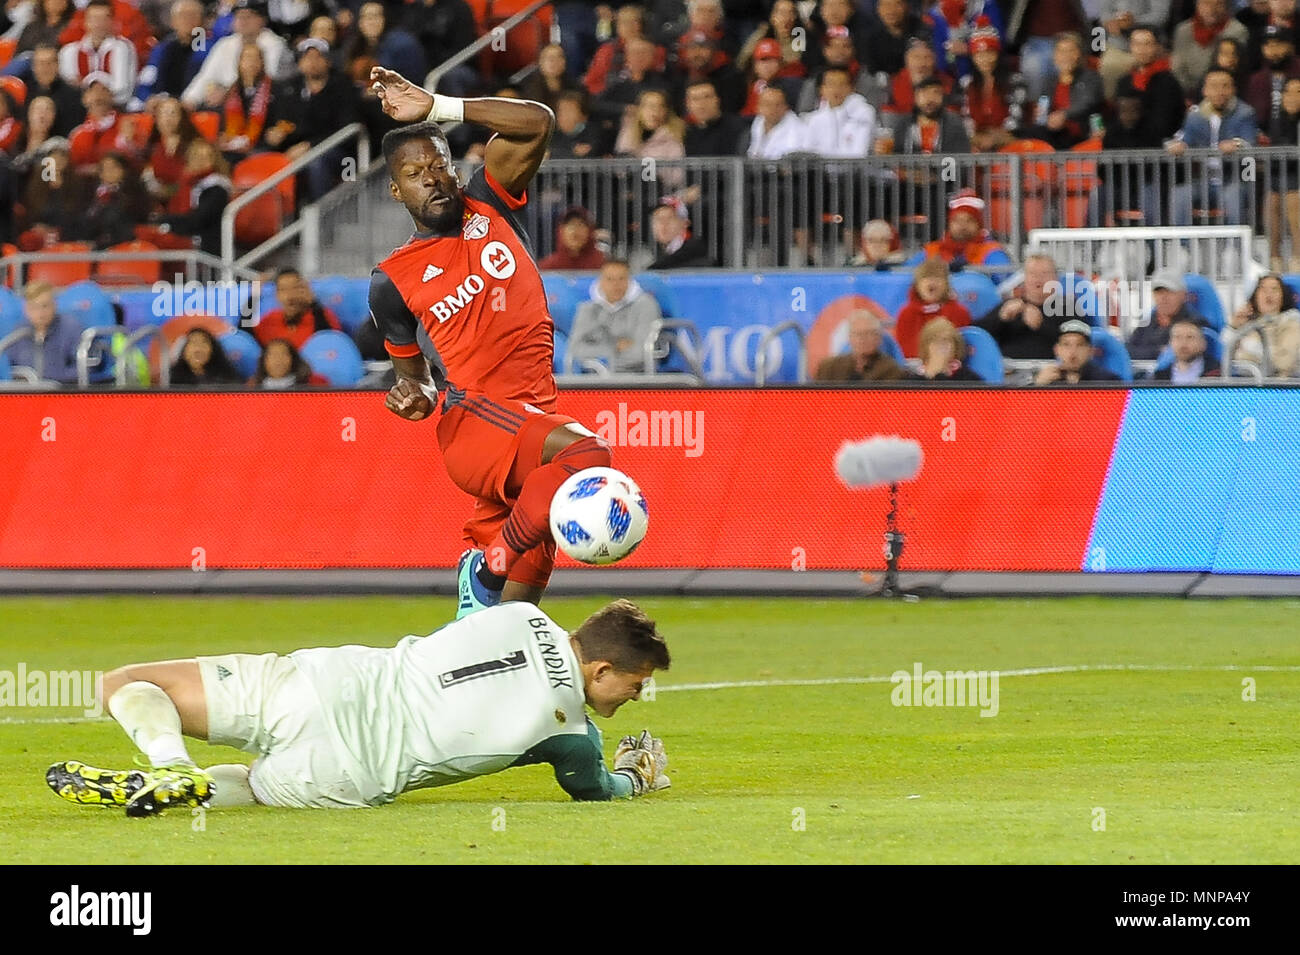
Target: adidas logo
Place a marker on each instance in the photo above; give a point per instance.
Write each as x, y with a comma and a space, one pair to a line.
222, 673
431, 272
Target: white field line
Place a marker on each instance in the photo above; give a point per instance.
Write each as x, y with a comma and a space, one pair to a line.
838, 681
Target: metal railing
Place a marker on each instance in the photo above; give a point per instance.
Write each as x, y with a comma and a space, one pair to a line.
803, 210
307, 224
193, 265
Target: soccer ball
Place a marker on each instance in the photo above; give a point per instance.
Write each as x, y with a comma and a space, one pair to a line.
598, 516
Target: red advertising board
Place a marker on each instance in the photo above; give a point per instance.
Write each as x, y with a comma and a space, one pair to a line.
734, 478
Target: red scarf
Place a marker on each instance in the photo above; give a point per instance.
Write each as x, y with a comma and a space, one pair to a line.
1204, 33
90, 60
949, 248
1142, 75
250, 126
954, 11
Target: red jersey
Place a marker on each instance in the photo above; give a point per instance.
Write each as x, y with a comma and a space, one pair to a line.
479, 297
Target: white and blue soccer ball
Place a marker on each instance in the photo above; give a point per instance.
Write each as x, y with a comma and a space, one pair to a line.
598, 516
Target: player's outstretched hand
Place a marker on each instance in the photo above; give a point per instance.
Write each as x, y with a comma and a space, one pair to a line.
399, 97
410, 400
643, 760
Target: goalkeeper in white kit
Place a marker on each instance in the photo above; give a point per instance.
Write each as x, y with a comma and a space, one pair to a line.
344, 727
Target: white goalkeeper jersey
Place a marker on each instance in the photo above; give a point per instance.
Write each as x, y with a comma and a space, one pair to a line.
472, 698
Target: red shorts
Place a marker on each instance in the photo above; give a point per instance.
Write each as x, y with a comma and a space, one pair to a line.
489, 447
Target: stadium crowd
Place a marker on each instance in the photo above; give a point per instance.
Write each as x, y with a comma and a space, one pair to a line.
125, 122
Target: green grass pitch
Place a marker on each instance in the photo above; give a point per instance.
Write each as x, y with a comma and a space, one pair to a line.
1159, 738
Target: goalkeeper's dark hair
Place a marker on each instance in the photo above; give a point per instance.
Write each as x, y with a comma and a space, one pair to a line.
395, 139
621, 633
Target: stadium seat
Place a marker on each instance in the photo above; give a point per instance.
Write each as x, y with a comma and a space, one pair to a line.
523, 42
208, 124
257, 169
660, 288
264, 216
348, 298
132, 272
561, 346
1036, 182
5, 373
87, 304
11, 311
243, 351
1110, 353
10, 273
61, 273
1202, 296
564, 293
889, 345
977, 292
1081, 185
985, 358
7, 49
16, 89
334, 356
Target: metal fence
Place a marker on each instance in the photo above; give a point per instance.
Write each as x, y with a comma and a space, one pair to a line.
804, 210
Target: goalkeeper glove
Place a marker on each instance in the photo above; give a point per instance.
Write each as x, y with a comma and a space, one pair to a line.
642, 760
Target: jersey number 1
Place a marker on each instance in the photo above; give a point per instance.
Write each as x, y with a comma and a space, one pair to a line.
515, 661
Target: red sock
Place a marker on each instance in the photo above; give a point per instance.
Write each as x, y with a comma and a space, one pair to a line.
529, 524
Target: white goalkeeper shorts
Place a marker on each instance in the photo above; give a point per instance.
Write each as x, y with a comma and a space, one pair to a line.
261, 703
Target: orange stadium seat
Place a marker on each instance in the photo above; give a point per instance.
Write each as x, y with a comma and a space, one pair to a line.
7, 50
60, 273
1081, 183
265, 216
208, 124
16, 88
7, 250
132, 272
1036, 182
523, 43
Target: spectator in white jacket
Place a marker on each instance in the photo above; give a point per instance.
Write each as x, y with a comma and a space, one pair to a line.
613, 327
843, 125
221, 68
100, 51
777, 130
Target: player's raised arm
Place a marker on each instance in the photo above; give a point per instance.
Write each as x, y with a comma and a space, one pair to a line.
522, 128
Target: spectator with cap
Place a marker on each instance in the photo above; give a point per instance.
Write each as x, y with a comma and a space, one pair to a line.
1026, 325
966, 241
610, 61
952, 24
99, 134
838, 53
930, 296
710, 131
864, 361
670, 223
1170, 293
1264, 92
1219, 122
919, 67
1280, 14
613, 326
879, 248
101, 51
221, 67
51, 348
1191, 363
320, 101
1195, 40
988, 92
1152, 82
69, 111
1074, 364
765, 70
174, 62
889, 34
783, 19
575, 242
700, 61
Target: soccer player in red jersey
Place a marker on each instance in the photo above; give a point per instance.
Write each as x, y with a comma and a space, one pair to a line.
468, 277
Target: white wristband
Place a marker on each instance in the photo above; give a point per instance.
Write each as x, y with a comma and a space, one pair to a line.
447, 109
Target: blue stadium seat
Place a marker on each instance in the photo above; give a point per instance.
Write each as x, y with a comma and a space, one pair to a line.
1203, 298
985, 358
561, 346
977, 292
564, 293
658, 286
891, 347
11, 311
5, 373
243, 351
348, 298
137, 309
87, 304
334, 356
1111, 354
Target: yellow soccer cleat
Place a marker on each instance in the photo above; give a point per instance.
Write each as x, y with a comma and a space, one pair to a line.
169, 788
87, 786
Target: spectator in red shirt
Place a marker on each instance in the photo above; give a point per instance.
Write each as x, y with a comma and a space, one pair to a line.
173, 131
918, 65
629, 24
299, 316
128, 22
100, 50
98, 135
575, 242
966, 241
930, 297
988, 96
